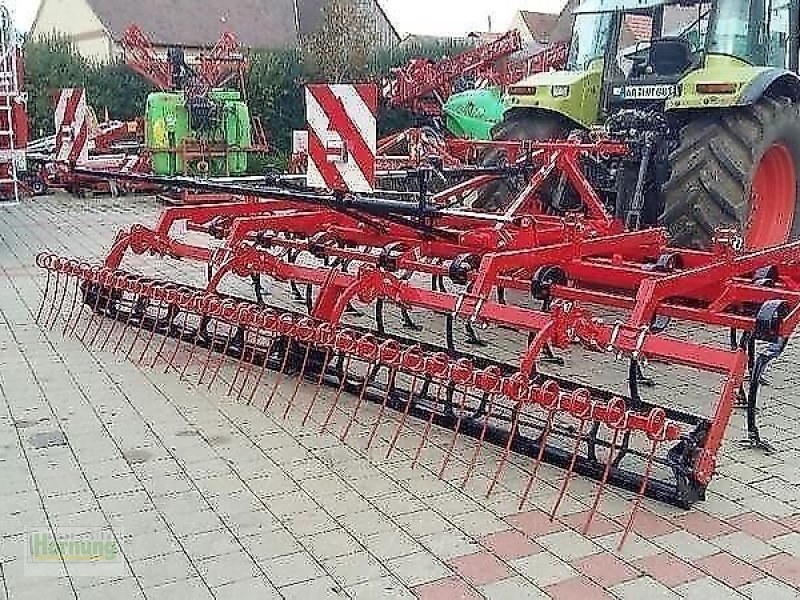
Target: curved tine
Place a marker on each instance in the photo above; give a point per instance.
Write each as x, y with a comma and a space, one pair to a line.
202, 307
617, 426
300, 377
148, 291
53, 263
282, 372
80, 271
428, 427
456, 430
264, 366
335, 403
229, 312
137, 289
187, 302
73, 271
254, 345
364, 385
317, 387
101, 277
67, 266
126, 286
246, 317
552, 406
160, 292
481, 440
111, 285
91, 276
215, 313
171, 299
52, 306
42, 261
571, 470
501, 466
409, 402
658, 418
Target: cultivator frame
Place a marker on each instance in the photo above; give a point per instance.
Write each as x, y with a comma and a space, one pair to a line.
349, 250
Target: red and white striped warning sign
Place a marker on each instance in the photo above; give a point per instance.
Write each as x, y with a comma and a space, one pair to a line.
72, 126
342, 136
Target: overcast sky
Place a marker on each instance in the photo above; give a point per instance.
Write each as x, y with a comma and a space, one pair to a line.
443, 17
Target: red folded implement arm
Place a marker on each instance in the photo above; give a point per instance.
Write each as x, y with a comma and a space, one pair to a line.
572, 288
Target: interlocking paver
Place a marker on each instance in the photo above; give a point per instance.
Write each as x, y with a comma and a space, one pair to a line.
729, 569
605, 569
668, 569
707, 588
450, 588
512, 588
769, 589
544, 569
480, 568
577, 588
509, 544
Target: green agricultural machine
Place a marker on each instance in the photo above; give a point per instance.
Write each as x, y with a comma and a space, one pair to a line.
198, 122
709, 89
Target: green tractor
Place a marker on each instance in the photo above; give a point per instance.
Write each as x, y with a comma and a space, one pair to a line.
715, 82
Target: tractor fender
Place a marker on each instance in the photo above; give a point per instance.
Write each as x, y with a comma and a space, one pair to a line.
780, 81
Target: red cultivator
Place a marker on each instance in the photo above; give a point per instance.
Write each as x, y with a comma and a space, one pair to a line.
530, 306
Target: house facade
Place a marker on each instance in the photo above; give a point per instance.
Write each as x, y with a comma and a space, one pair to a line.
96, 26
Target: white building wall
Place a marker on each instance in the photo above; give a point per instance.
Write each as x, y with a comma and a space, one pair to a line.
76, 21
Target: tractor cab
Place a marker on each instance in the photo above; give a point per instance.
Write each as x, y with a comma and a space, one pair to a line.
688, 54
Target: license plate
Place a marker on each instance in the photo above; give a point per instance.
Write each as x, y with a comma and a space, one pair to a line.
649, 92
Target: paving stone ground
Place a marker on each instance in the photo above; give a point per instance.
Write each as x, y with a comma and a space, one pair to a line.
208, 497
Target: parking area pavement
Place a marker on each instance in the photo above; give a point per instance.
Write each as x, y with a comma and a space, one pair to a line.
207, 496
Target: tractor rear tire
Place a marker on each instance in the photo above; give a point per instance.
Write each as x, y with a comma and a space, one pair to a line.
741, 169
519, 126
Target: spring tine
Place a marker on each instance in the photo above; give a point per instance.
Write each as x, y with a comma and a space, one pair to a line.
58, 310
298, 384
222, 357
52, 306
514, 388
178, 342
264, 366
73, 265
142, 319
279, 378
358, 404
570, 471
456, 430
501, 466
72, 306
338, 396
616, 417
249, 364
42, 260
164, 339
549, 397
247, 317
318, 387
152, 332
479, 446
403, 416
93, 316
428, 427
368, 350
657, 428
114, 321
211, 343
202, 311
382, 411
640, 494
239, 363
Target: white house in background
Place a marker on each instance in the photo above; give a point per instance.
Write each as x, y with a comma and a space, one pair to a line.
96, 26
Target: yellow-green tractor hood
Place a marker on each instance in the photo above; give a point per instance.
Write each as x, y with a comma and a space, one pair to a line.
724, 81
574, 95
